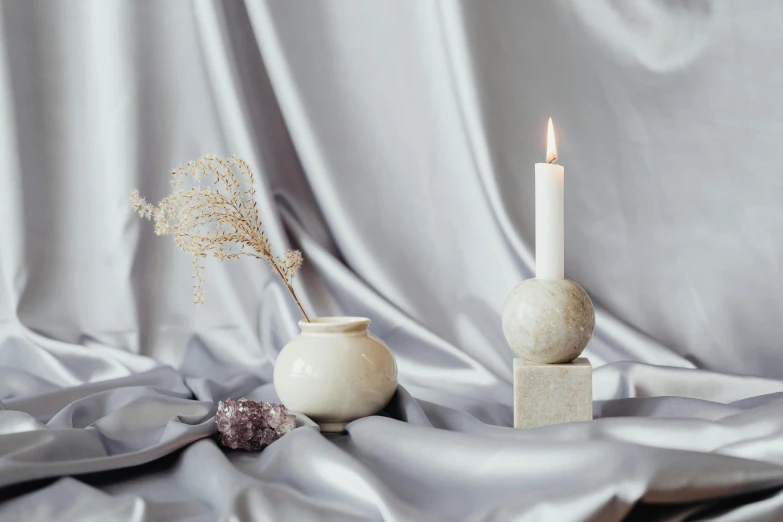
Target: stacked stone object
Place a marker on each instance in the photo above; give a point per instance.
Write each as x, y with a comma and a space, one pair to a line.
251, 425
548, 322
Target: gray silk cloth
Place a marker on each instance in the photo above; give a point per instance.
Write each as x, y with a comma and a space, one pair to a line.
394, 142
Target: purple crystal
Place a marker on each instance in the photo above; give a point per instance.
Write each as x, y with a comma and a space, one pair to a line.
251, 425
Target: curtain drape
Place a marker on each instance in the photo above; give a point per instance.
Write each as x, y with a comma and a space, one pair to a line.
394, 144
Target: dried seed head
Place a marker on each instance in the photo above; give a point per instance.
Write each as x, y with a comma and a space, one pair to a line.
216, 213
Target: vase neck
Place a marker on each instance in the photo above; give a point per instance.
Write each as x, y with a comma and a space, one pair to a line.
335, 325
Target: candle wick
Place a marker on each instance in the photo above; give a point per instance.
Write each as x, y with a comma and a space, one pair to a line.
553, 160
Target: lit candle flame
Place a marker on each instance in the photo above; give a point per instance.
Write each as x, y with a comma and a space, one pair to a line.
551, 149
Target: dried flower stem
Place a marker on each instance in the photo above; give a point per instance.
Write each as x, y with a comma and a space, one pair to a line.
221, 219
291, 289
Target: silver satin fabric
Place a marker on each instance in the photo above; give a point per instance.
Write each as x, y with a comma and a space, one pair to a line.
395, 143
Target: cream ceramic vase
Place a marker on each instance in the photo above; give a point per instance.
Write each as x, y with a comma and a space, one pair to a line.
335, 372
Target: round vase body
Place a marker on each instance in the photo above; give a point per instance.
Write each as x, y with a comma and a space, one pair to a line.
548, 321
335, 372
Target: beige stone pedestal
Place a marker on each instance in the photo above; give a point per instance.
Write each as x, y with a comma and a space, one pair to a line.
552, 393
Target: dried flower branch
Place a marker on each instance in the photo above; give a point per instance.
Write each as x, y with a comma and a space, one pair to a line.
216, 214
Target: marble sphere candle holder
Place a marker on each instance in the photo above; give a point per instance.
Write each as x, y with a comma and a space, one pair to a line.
548, 321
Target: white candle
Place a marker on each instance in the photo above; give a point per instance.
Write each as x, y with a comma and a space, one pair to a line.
549, 213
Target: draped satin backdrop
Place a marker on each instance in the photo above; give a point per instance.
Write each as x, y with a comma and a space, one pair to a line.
394, 142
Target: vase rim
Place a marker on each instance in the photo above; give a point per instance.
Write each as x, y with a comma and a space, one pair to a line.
336, 324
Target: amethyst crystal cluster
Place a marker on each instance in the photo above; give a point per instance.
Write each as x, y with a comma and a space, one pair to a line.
251, 425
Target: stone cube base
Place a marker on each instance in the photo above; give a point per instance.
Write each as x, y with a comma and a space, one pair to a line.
552, 393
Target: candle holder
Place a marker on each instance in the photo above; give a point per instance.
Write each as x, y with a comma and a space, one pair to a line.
548, 323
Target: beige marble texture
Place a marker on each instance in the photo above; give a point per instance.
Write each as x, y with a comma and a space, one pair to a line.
548, 321
547, 394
